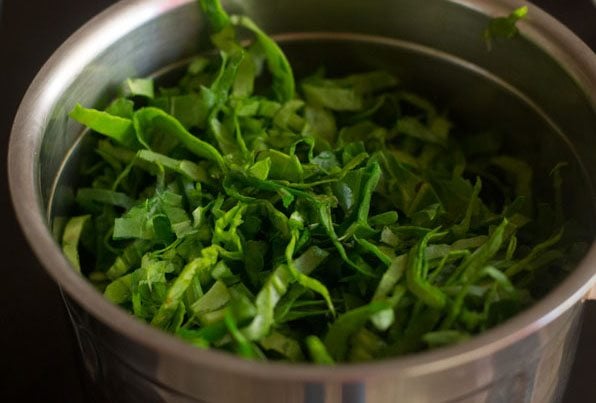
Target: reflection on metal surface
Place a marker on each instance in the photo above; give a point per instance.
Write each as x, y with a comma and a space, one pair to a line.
592, 293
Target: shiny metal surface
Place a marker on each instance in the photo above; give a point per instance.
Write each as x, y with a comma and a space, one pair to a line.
549, 92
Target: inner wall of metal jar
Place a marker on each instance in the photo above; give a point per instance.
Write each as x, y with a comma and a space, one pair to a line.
474, 99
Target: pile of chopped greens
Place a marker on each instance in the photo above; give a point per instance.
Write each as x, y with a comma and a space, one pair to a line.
333, 220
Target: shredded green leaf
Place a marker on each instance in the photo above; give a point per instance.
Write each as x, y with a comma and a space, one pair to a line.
504, 27
326, 220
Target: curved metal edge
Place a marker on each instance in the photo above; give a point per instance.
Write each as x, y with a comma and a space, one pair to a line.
556, 39
592, 293
552, 36
24, 183
72, 56
23, 177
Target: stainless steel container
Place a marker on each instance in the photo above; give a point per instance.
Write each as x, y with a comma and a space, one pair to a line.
541, 84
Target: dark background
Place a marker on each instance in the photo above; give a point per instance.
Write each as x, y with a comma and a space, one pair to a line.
38, 356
